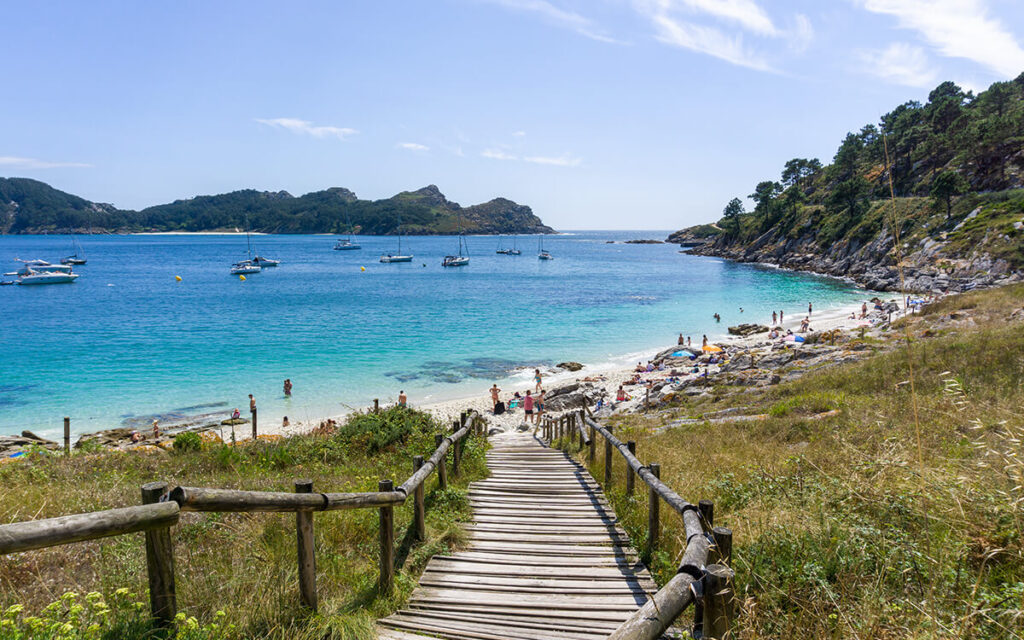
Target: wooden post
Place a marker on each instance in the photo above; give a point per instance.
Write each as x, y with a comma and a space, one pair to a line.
376, 405
630, 476
718, 602
723, 544
608, 461
653, 504
307, 554
456, 453
592, 455
67, 436
419, 513
707, 514
254, 423
442, 469
647, 398
160, 562
386, 582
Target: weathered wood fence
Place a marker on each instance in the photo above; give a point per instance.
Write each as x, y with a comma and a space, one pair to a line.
161, 510
707, 586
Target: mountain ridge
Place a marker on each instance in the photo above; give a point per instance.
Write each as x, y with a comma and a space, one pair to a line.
29, 206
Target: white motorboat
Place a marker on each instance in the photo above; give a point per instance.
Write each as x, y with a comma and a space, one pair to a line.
265, 262
47, 277
245, 267
346, 244
29, 268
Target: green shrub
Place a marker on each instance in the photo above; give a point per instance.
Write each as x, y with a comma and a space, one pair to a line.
373, 432
188, 441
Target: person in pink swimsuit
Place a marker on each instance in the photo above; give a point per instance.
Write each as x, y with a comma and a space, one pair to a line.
528, 407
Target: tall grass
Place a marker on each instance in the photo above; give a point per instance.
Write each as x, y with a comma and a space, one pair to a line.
243, 564
839, 531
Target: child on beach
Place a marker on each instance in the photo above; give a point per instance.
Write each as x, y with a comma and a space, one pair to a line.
536, 379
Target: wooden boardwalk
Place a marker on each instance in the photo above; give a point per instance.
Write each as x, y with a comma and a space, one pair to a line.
546, 558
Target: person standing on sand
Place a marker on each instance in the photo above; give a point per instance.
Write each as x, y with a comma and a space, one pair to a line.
780, 316
540, 406
705, 342
528, 407
688, 343
402, 400
494, 396
536, 379
810, 308
682, 341
156, 430
864, 310
288, 387
775, 317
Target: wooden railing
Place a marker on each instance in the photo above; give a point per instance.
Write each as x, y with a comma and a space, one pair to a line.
161, 510
707, 586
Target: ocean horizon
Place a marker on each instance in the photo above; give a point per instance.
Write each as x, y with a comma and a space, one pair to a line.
128, 343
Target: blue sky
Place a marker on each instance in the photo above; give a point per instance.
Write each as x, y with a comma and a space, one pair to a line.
597, 113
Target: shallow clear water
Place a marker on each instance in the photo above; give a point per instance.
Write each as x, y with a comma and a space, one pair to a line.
126, 341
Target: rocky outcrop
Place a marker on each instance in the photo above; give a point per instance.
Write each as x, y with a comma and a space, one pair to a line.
13, 445
748, 329
569, 366
573, 396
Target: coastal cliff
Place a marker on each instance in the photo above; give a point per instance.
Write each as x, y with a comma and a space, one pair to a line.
33, 207
956, 167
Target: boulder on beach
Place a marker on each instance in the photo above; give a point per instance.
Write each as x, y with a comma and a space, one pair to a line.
569, 366
573, 396
747, 329
13, 444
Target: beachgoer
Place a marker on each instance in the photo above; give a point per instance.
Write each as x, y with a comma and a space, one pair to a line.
741, 309
688, 343
156, 430
494, 396
288, 387
863, 309
236, 414
718, 318
252, 403
402, 400
528, 406
650, 366
536, 379
639, 368
682, 341
539, 406
780, 316
284, 423
136, 436
705, 341
775, 318
810, 308
620, 395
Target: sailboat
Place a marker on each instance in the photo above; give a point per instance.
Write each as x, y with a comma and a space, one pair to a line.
78, 257
459, 260
398, 257
509, 252
347, 244
542, 253
245, 267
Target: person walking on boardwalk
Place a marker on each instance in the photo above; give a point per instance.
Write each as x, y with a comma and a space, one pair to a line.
288, 387
495, 397
536, 379
402, 400
528, 407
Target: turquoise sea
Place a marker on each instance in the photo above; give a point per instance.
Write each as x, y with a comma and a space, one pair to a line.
127, 341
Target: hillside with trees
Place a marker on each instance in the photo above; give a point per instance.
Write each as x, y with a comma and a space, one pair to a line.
955, 165
33, 207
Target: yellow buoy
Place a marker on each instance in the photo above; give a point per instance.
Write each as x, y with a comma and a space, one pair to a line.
242, 278
362, 268
178, 278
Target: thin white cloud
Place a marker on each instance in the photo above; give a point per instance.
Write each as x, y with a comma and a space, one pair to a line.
957, 29
519, 134
745, 13
900, 63
556, 161
16, 162
497, 154
708, 40
305, 127
558, 17
413, 146
802, 33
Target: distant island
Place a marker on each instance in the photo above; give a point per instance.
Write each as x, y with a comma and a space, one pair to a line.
956, 167
33, 207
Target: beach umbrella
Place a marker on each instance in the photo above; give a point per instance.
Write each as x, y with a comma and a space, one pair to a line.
711, 348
